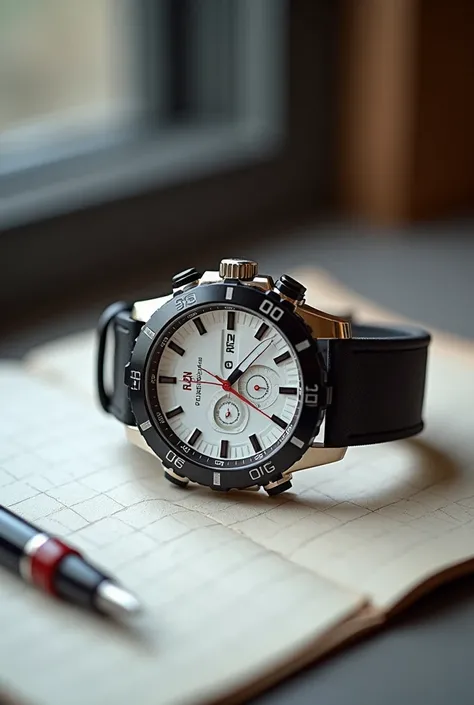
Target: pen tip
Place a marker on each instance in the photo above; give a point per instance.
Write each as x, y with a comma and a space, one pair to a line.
115, 601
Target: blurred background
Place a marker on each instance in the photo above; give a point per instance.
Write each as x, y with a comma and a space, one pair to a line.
141, 137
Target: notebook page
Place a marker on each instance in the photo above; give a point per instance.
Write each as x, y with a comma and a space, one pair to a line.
220, 609
387, 517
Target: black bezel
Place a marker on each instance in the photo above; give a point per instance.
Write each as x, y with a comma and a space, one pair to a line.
313, 378
157, 413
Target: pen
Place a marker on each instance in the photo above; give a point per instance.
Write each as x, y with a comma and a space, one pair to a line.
58, 569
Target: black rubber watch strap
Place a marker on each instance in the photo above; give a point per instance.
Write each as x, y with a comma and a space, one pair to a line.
125, 331
378, 383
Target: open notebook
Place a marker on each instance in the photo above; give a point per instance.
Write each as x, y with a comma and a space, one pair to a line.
239, 589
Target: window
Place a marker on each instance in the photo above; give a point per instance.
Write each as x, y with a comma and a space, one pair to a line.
167, 125
63, 79
103, 98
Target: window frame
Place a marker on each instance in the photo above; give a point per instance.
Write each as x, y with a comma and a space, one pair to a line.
156, 152
49, 254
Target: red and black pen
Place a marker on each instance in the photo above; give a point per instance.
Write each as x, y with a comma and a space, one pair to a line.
58, 569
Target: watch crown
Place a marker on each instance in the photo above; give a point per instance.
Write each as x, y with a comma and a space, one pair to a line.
243, 269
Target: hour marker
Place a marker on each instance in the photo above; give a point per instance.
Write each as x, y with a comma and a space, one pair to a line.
224, 449
162, 379
281, 358
261, 331
174, 412
194, 436
303, 345
176, 348
229, 292
145, 425
230, 320
216, 478
199, 325
279, 422
149, 332
296, 442
287, 390
255, 443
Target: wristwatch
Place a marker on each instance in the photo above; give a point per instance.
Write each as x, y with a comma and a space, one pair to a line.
234, 382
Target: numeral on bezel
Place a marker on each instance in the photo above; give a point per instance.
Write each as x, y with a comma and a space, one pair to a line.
135, 380
175, 459
268, 307
183, 301
266, 468
311, 395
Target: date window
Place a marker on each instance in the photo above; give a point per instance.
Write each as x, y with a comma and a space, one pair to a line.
229, 351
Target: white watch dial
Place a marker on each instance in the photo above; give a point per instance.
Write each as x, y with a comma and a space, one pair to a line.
219, 418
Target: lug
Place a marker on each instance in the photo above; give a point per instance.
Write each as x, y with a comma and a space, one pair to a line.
318, 455
134, 436
143, 310
323, 325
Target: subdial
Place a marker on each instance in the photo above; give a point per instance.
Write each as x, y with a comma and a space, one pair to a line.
228, 414
257, 388
259, 384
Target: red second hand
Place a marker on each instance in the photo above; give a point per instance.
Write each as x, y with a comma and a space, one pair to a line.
227, 387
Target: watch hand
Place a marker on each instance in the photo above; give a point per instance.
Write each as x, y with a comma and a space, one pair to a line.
222, 381
249, 360
197, 381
